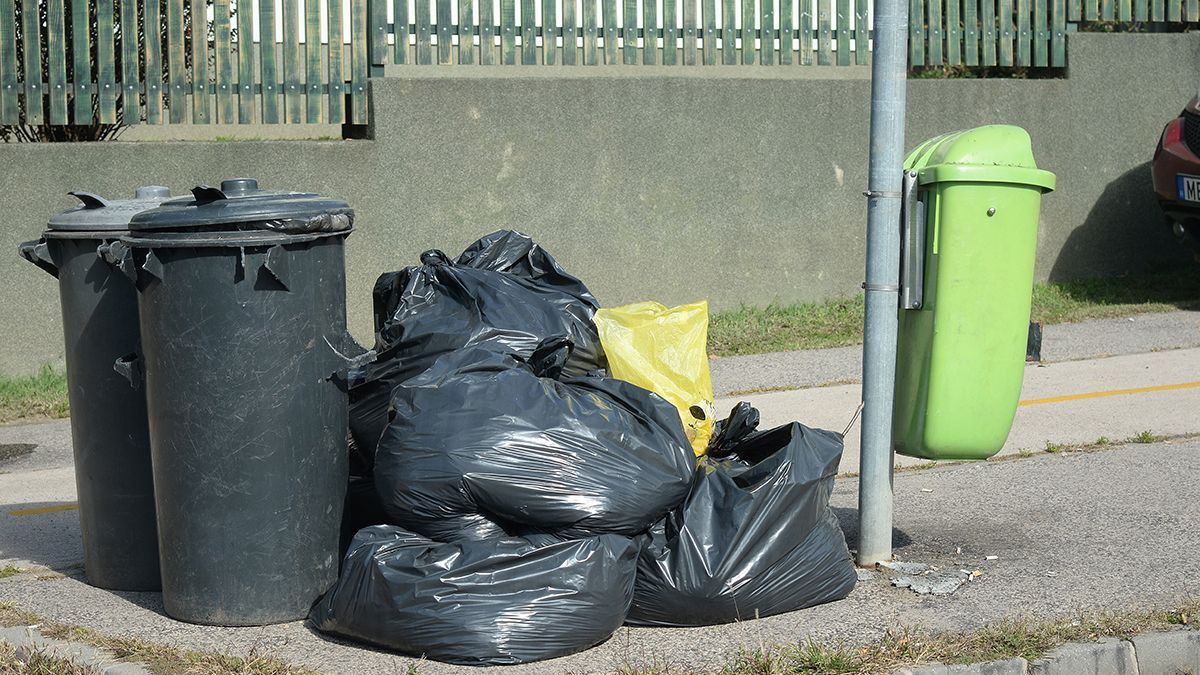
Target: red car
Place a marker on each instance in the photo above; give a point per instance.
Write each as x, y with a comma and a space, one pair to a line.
1176, 172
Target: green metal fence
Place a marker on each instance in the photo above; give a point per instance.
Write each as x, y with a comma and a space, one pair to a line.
307, 61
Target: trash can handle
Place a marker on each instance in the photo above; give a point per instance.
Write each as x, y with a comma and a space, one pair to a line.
119, 256
130, 368
90, 200
37, 253
347, 357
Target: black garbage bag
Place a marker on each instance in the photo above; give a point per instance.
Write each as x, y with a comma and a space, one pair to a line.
483, 444
500, 601
755, 537
504, 292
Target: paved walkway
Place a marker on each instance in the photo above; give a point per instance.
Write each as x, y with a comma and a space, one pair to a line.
1114, 528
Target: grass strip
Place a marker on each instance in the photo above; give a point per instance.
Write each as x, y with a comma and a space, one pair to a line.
838, 322
43, 395
156, 657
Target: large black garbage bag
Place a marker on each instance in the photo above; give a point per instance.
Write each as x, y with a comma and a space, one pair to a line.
482, 444
499, 601
504, 292
755, 537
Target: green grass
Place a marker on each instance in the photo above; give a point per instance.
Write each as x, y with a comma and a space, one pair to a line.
158, 658
1146, 436
838, 323
1028, 638
9, 571
34, 396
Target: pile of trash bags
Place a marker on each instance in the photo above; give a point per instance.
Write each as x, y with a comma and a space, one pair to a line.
510, 501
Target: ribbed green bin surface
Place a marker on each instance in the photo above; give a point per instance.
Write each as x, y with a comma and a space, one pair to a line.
242, 301
108, 410
961, 356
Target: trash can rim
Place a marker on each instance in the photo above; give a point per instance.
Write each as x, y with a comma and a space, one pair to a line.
985, 173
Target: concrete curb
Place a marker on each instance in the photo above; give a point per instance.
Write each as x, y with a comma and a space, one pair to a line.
26, 640
1167, 653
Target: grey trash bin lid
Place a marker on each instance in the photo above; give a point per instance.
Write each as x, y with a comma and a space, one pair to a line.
96, 214
239, 204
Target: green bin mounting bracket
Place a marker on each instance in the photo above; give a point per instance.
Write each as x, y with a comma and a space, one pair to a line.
912, 244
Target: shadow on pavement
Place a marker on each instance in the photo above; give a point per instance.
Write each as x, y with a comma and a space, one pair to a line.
43, 533
848, 519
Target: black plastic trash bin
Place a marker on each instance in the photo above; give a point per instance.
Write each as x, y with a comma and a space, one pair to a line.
108, 416
242, 301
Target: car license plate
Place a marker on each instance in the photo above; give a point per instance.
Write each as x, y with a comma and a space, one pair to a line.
1189, 188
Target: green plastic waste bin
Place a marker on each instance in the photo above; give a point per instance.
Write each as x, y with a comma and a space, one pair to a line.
242, 304
108, 415
974, 200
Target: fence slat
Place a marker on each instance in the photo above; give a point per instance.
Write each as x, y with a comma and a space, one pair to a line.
528, 32
31, 28
445, 29
360, 66
787, 31
487, 33
1090, 12
315, 85
971, 32
377, 25
106, 63
466, 32
805, 56
1023, 33
1006, 32
953, 33
747, 32
933, 50
56, 61
1124, 10
508, 32
269, 61
649, 33
1107, 11
1041, 34
609, 7
629, 32
824, 32
1174, 15
591, 33
670, 54
1157, 11
1193, 10
293, 84
81, 63
201, 113
152, 55
337, 75
843, 32
766, 32
1141, 9
223, 62
728, 32
708, 18
916, 33
570, 24
988, 21
245, 67
399, 31
9, 96
690, 32
862, 53
1058, 39
1075, 9
424, 31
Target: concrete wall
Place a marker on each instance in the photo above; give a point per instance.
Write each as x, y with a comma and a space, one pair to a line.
742, 185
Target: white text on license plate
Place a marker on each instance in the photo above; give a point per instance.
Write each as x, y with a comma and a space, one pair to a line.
1189, 188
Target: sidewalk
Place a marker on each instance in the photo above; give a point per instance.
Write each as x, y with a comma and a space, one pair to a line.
1118, 528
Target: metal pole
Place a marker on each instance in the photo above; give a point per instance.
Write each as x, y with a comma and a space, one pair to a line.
888, 72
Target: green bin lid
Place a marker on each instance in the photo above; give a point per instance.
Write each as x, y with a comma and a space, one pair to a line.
240, 205
997, 153
96, 214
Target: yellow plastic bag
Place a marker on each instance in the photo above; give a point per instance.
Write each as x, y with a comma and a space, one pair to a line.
665, 351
